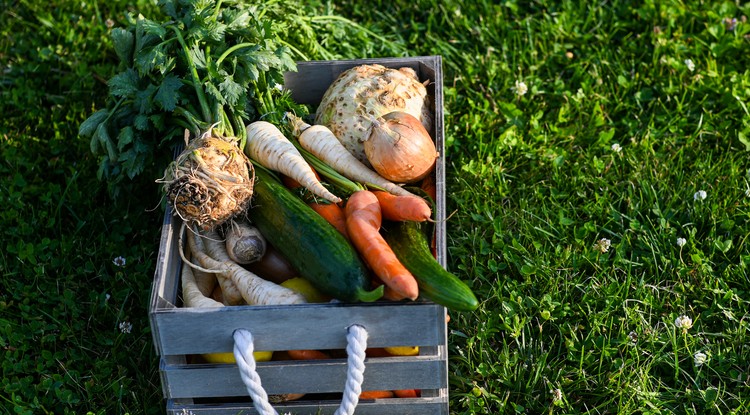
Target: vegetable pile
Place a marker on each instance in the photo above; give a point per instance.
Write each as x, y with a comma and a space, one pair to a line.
275, 210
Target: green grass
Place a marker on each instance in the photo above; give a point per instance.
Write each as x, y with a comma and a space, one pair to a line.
533, 179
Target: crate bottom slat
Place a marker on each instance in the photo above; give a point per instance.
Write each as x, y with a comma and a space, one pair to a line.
402, 406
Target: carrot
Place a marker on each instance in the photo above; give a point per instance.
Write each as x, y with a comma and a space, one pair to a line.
388, 292
333, 214
267, 145
375, 395
293, 184
392, 295
254, 289
289, 182
322, 143
407, 393
307, 355
401, 208
363, 219
428, 185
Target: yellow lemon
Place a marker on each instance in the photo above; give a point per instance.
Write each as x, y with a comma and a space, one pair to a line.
304, 287
228, 357
403, 350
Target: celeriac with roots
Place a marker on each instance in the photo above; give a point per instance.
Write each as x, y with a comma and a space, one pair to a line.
210, 182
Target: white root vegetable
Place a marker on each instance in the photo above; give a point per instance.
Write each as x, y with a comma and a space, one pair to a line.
244, 242
194, 298
267, 145
205, 282
321, 142
254, 289
191, 293
230, 293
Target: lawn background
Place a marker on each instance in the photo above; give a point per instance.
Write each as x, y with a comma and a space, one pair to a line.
630, 110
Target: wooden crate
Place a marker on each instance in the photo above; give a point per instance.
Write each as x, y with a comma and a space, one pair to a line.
179, 333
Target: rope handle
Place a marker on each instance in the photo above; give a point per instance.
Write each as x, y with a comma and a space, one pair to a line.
356, 343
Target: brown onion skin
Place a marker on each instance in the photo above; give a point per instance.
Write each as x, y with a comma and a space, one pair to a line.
272, 267
399, 148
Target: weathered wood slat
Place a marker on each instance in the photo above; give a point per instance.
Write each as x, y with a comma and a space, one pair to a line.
304, 326
277, 377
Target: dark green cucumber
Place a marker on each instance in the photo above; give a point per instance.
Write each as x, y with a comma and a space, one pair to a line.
311, 245
436, 284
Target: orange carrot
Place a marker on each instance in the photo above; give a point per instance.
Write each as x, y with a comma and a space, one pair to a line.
428, 185
362, 224
375, 394
307, 355
407, 393
333, 214
392, 295
289, 182
401, 208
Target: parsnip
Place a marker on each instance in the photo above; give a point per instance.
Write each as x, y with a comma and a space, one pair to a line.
267, 145
323, 144
254, 289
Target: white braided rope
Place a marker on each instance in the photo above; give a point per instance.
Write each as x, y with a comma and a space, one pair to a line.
243, 354
356, 344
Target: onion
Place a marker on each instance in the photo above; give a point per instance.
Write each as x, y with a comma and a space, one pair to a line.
399, 148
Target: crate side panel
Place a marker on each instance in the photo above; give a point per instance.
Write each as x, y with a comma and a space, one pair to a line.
202, 381
165, 264
308, 326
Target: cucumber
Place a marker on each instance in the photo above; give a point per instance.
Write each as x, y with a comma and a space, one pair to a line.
436, 284
312, 246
